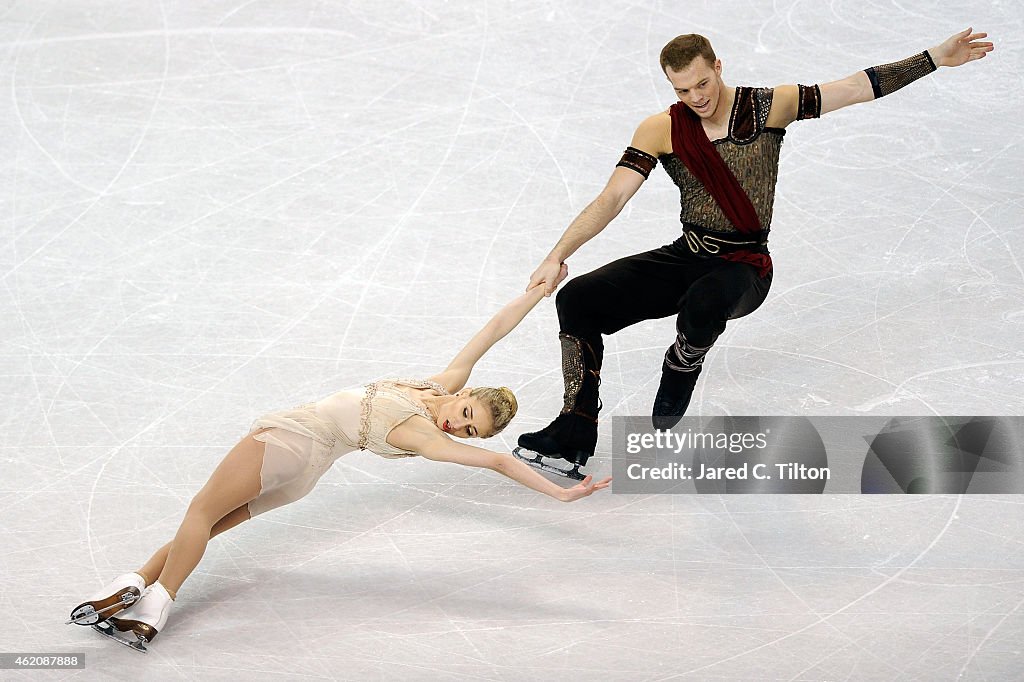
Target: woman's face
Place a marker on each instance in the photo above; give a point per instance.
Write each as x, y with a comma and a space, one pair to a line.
465, 417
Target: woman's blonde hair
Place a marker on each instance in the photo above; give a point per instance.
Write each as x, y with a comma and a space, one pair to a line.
502, 403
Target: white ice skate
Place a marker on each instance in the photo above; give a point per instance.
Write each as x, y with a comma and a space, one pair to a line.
143, 620
121, 593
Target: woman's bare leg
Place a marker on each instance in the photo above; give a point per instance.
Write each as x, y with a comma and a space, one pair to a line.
155, 565
234, 482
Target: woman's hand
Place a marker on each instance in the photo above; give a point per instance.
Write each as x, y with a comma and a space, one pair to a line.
585, 488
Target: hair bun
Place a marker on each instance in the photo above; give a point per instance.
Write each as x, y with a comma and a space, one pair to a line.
507, 392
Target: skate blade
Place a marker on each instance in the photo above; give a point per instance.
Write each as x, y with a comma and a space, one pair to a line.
108, 630
87, 614
92, 616
537, 462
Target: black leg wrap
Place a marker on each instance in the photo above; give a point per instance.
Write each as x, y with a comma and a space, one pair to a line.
572, 436
679, 372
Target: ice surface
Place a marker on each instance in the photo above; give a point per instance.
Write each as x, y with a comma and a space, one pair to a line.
215, 209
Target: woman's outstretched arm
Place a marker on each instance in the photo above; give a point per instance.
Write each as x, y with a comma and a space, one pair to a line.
424, 439
456, 374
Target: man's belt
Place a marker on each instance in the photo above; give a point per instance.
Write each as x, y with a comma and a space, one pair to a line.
703, 242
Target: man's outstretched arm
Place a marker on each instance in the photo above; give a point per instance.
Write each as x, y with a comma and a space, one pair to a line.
794, 102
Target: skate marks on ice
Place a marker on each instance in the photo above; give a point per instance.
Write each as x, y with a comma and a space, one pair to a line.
213, 210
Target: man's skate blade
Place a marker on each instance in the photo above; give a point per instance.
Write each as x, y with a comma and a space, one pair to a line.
538, 463
108, 630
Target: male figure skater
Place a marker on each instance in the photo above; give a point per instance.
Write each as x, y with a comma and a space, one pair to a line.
720, 145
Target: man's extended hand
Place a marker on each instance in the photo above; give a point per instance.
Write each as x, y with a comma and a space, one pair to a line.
960, 49
549, 274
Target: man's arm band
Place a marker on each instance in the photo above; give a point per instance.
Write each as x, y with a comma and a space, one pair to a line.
640, 161
809, 104
888, 78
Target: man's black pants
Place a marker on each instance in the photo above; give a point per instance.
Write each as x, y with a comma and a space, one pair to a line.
703, 294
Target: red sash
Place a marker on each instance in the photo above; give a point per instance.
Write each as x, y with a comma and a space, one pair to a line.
691, 144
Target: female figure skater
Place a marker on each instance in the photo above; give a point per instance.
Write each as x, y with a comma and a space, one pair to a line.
286, 452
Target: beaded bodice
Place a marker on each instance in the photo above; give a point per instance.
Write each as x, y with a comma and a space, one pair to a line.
750, 150
383, 407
